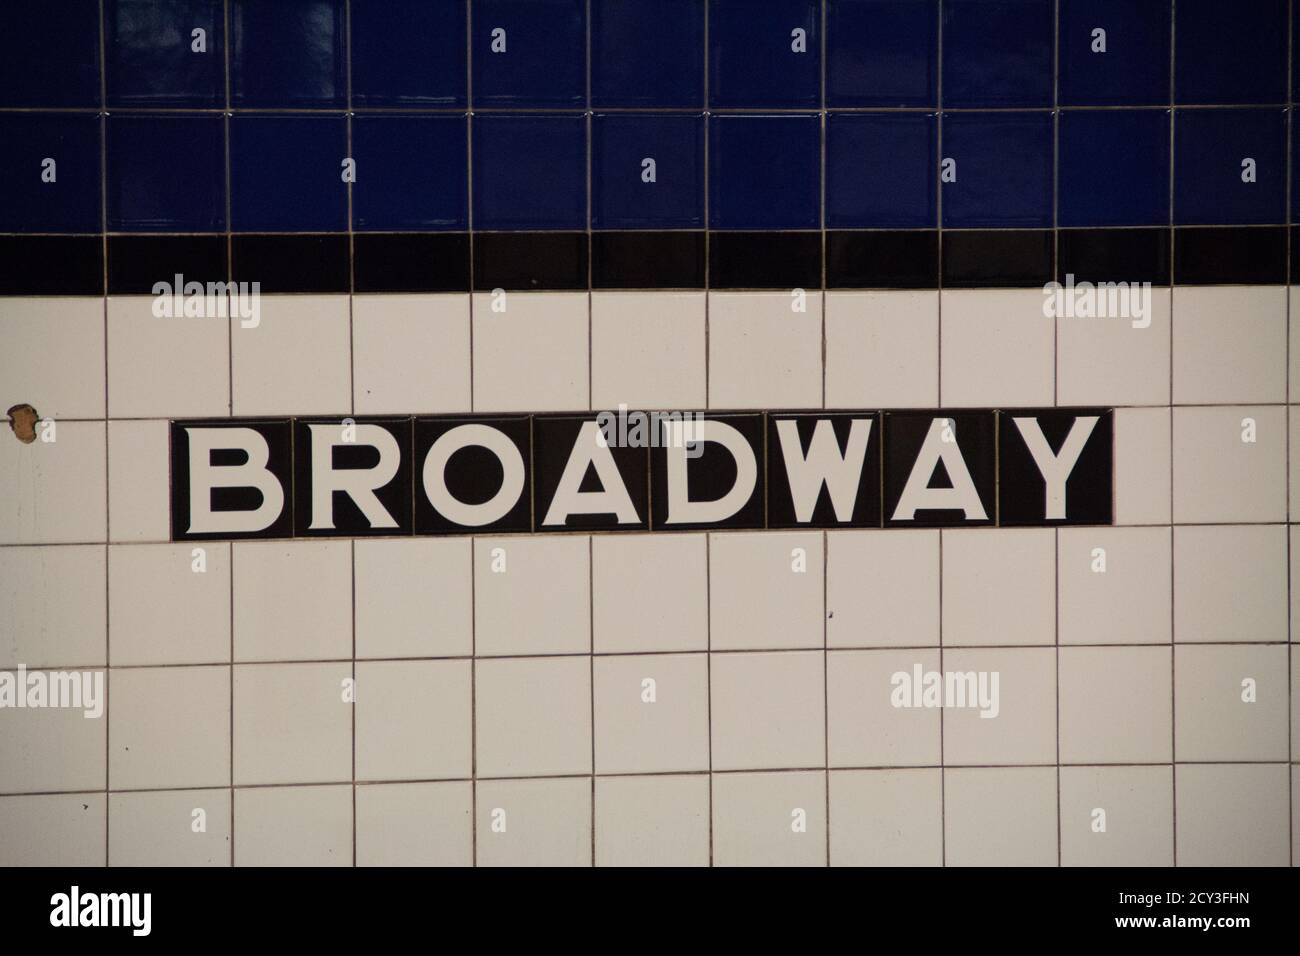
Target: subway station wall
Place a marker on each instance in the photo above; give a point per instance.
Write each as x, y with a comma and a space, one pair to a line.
256, 215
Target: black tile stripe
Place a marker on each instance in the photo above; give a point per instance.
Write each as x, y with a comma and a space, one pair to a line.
411, 262
647, 260
903, 259
988, 259
51, 265
1230, 255
136, 263
1115, 255
292, 263
765, 260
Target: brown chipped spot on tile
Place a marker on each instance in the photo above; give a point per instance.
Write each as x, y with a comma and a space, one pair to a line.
23, 419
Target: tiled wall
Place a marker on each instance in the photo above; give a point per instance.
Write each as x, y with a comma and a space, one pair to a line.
918, 169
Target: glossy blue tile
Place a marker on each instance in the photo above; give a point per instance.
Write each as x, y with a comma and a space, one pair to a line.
412, 172
166, 173
881, 170
165, 52
1126, 63
530, 53
764, 172
49, 172
1001, 171
647, 171
1230, 53
1114, 168
882, 53
530, 171
408, 53
288, 54
49, 54
286, 173
997, 52
647, 53
1229, 166
764, 54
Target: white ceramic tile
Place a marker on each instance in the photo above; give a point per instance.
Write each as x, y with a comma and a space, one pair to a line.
762, 352
296, 361
169, 605
531, 595
533, 716
882, 349
413, 720
901, 608
54, 490
169, 828
651, 713
534, 822
1021, 726
1230, 703
410, 354
1000, 816
169, 727
1230, 583
292, 723
52, 830
415, 824
652, 821
293, 826
864, 726
1115, 585
999, 586
647, 350
886, 817
768, 710
1229, 344
766, 590
1117, 816
769, 819
53, 355
996, 348
1142, 464
413, 597
1232, 815
49, 748
1220, 475
533, 355
1112, 360
650, 592
52, 606
1115, 704
166, 367
293, 600
139, 492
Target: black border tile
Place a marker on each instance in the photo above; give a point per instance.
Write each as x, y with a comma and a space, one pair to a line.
282, 264
1115, 255
647, 260
997, 258
410, 262
530, 261
902, 259
765, 260
51, 265
136, 262
1230, 255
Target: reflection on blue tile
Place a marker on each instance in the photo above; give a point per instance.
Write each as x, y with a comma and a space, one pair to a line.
1229, 166
530, 53
166, 173
881, 170
647, 53
530, 171
49, 172
997, 52
1230, 53
1114, 52
165, 52
286, 173
49, 54
408, 53
1114, 168
412, 172
764, 54
287, 53
763, 172
882, 53
647, 171
1001, 174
